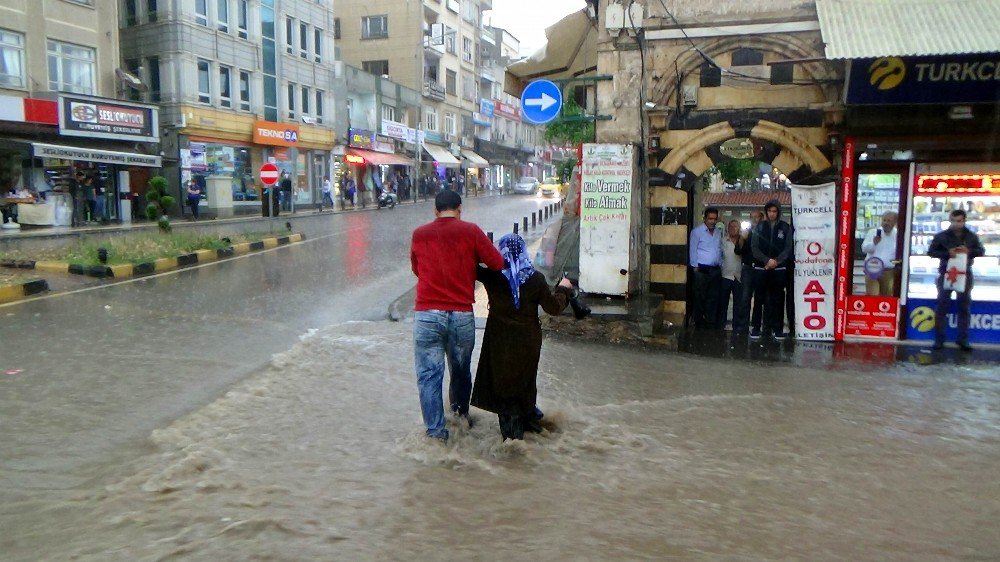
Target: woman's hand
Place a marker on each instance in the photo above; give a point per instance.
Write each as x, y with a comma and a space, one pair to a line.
566, 283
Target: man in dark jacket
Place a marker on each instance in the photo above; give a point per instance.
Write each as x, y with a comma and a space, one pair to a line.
947, 244
286, 192
772, 249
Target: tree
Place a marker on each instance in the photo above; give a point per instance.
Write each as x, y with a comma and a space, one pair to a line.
159, 202
565, 169
570, 127
742, 170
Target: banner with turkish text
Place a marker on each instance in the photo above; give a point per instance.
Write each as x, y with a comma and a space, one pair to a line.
814, 220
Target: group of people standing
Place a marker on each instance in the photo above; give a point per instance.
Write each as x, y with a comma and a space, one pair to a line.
88, 194
448, 256
750, 267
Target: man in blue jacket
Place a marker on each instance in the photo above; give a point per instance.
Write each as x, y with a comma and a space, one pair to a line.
772, 249
957, 239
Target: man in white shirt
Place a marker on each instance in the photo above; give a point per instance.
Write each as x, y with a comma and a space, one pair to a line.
732, 272
880, 243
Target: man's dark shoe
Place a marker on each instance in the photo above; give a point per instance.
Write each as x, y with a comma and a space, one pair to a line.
755, 334
938, 345
964, 346
533, 426
781, 335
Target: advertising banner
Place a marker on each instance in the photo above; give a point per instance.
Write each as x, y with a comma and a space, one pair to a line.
845, 242
275, 134
945, 79
605, 217
814, 217
874, 317
984, 321
84, 116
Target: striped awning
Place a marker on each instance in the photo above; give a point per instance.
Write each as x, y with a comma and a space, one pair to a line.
859, 29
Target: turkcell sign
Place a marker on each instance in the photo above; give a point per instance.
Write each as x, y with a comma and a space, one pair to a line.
916, 80
984, 321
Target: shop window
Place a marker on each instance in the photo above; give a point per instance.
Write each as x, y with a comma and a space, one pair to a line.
450, 82
243, 19
376, 67
876, 234
319, 106
244, 90
71, 68
317, 45
222, 15
201, 12
11, 59
204, 82
747, 57
225, 86
304, 40
375, 27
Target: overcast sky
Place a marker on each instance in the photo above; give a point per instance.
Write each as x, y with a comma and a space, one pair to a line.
527, 19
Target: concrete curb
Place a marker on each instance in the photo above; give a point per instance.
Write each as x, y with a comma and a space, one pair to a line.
11, 293
156, 266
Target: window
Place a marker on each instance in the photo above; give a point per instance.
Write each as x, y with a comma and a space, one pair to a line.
130, 14
201, 11
450, 80
469, 91
244, 90
747, 57
204, 82
466, 49
222, 15
374, 27
11, 59
71, 68
306, 100
153, 63
388, 113
151, 11
350, 107
243, 19
225, 86
336, 28
304, 40
290, 35
290, 100
449, 123
318, 44
469, 12
449, 40
431, 119
319, 106
376, 67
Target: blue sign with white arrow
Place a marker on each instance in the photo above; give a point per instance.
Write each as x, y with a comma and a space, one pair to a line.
541, 101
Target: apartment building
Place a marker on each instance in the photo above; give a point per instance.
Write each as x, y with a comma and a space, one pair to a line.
239, 83
432, 46
60, 114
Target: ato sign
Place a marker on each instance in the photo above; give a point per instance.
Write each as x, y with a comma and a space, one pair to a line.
813, 212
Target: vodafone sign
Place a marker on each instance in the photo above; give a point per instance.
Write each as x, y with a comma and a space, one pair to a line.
275, 134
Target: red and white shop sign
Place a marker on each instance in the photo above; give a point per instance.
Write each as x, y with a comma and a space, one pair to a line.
876, 317
845, 247
269, 174
813, 212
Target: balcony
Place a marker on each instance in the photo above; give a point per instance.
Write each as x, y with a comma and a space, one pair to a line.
434, 91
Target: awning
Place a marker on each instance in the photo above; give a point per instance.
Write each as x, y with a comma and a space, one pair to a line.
570, 51
476, 160
441, 155
381, 158
859, 29
90, 155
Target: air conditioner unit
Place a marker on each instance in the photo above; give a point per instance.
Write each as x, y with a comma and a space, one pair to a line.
689, 95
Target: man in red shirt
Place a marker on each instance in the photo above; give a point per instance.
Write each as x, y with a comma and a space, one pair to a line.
444, 255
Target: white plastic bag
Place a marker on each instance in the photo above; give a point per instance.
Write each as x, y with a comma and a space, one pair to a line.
955, 273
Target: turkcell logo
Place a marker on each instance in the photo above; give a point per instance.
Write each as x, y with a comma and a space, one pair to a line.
886, 73
984, 321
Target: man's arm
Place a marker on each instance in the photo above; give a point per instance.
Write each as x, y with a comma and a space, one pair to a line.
413, 256
693, 248
787, 250
487, 252
868, 246
975, 247
755, 239
937, 248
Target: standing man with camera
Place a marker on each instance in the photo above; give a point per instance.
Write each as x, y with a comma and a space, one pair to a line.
880, 244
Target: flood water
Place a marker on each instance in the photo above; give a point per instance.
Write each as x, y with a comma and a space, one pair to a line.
321, 456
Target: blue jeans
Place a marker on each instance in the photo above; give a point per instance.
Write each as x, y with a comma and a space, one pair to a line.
437, 334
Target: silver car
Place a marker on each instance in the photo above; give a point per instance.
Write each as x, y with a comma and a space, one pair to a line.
526, 185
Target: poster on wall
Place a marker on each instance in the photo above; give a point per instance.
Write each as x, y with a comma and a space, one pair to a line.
814, 218
605, 218
198, 156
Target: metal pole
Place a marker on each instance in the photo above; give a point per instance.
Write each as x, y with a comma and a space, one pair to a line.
526, 224
515, 228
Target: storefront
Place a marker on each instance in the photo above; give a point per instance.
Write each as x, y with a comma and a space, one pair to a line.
506, 163
45, 144
443, 162
916, 151
372, 160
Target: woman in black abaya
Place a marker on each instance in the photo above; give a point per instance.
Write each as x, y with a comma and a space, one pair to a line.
512, 342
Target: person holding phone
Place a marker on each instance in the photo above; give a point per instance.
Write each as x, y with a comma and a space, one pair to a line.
880, 243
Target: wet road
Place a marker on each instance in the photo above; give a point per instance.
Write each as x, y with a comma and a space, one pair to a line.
103, 367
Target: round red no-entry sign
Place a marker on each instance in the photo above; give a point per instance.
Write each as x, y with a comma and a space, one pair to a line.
269, 174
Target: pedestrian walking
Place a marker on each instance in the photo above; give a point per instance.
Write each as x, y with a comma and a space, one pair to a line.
512, 342
76, 189
285, 196
732, 270
193, 197
752, 297
772, 248
953, 246
705, 254
879, 247
327, 195
444, 255
90, 193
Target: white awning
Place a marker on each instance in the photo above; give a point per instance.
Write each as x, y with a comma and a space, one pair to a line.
476, 160
570, 51
90, 155
441, 155
855, 29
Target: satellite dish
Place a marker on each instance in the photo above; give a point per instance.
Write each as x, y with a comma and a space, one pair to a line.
130, 80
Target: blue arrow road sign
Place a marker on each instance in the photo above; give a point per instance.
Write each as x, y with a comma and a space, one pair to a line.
541, 101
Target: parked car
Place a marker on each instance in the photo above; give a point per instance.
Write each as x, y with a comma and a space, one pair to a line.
526, 186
